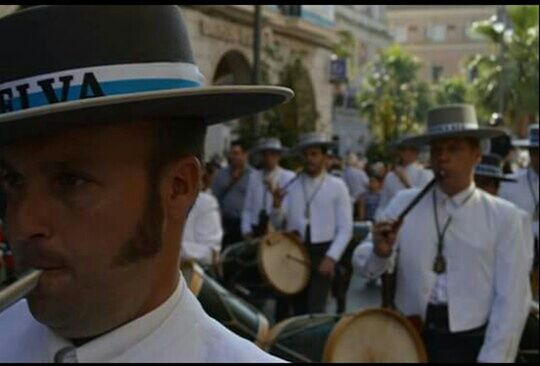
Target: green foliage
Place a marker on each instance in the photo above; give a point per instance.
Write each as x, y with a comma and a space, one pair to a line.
393, 99
508, 75
289, 120
452, 90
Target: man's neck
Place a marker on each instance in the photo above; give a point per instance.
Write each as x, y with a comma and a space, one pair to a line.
451, 189
316, 174
406, 164
268, 170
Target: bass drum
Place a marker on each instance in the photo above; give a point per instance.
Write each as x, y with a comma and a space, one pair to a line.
372, 335
234, 313
275, 263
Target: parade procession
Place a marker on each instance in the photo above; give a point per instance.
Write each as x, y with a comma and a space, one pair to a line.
125, 237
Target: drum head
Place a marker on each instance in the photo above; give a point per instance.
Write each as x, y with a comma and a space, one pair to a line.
375, 335
284, 262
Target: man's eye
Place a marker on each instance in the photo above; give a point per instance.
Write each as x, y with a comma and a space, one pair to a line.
71, 180
10, 181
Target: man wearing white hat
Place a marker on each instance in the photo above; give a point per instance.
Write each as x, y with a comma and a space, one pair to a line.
459, 253
103, 115
524, 193
258, 201
317, 207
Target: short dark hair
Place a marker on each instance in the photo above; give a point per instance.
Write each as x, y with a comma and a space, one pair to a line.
240, 143
175, 138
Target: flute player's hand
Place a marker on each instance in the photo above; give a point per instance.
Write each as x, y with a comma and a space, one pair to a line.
384, 237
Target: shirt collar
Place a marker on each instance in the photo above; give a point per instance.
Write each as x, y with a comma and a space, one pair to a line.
458, 199
118, 341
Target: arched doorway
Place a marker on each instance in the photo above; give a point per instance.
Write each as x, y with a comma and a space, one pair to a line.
232, 69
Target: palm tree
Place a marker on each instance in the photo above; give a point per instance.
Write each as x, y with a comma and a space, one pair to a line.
508, 77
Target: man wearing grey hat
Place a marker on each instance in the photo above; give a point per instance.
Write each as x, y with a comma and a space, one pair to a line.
459, 254
524, 193
103, 114
317, 207
258, 201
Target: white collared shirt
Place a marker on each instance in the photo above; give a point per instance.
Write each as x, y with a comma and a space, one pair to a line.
203, 231
523, 193
177, 331
357, 181
486, 278
330, 214
258, 195
418, 178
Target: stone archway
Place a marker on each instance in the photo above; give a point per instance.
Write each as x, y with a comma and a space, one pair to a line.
232, 69
300, 114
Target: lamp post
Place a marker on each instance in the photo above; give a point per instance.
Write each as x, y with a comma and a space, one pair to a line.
256, 59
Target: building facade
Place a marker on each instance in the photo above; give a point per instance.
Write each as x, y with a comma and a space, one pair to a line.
368, 26
439, 35
222, 40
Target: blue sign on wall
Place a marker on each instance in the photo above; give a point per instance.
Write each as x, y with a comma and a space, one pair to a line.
338, 70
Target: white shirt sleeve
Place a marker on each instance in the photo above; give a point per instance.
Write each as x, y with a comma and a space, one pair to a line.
247, 212
364, 260
386, 195
512, 295
207, 231
344, 223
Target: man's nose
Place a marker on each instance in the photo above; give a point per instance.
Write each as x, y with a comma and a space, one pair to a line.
29, 216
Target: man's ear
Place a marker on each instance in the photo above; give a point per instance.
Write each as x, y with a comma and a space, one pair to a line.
181, 185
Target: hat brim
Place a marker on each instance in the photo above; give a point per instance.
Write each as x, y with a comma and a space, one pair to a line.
314, 144
257, 150
501, 178
480, 133
210, 104
524, 143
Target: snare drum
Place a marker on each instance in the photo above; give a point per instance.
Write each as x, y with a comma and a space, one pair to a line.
275, 263
234, 313
372, 335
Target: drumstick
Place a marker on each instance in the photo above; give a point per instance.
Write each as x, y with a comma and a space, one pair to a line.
307, 264
18, 289
417, 199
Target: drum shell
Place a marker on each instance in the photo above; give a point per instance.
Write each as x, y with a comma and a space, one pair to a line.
240, 271
233, 312
301, 338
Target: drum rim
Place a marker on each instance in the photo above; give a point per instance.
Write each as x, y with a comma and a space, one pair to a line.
265, 274
340, 327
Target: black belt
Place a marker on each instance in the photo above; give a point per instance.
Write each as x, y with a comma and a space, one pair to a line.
437, 321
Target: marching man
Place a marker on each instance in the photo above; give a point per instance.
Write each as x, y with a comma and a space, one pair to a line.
258, 202
317, 207
459, 254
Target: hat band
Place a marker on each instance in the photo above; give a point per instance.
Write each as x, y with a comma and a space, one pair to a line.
488, 169
452, 127
98, 81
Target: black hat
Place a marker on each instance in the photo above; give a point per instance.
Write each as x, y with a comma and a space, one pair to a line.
490, 167
59, 63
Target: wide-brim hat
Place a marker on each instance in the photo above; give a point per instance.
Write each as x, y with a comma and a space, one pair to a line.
312, 139
453, 120
531, 142
490, 166
269, 144
402, 143
72, 65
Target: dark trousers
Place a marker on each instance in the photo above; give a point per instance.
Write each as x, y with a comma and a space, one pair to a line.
444, 346
313, 298
232, 232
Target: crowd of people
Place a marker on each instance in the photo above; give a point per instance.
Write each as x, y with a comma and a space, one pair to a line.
105, 194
